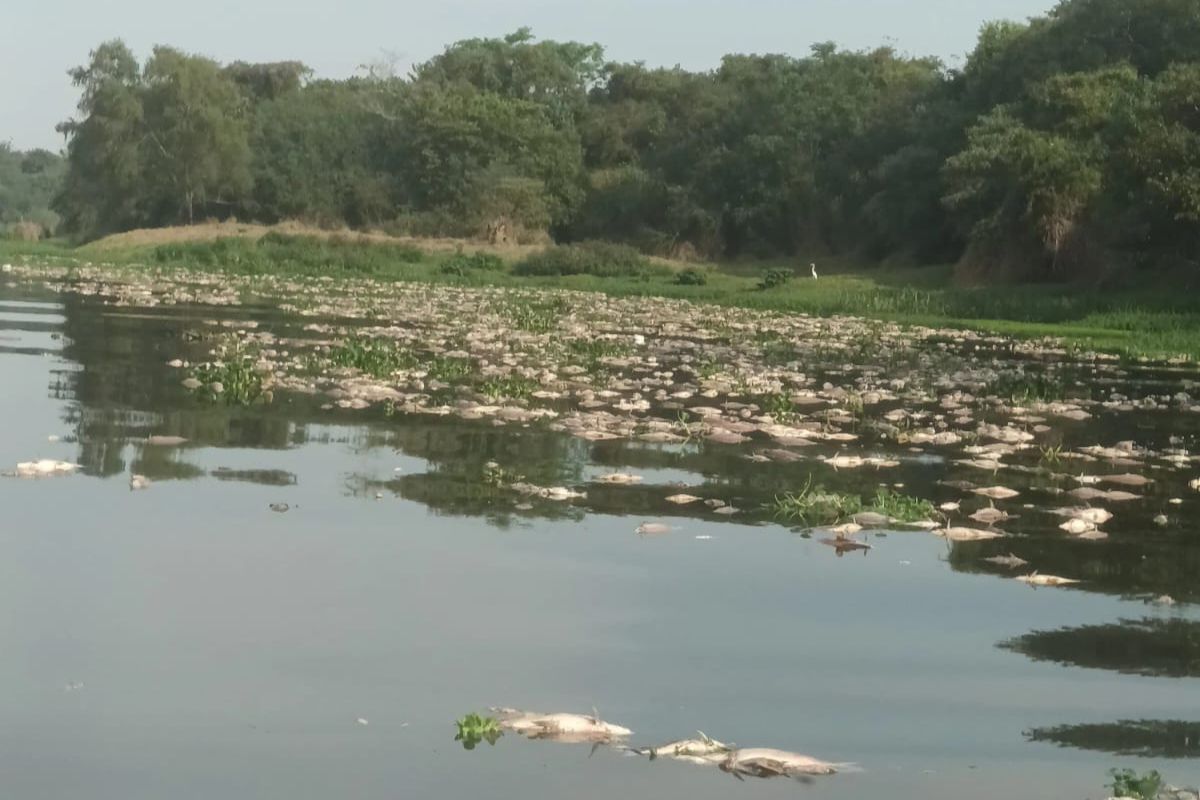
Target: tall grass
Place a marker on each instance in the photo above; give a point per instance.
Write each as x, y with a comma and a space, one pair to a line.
280, 253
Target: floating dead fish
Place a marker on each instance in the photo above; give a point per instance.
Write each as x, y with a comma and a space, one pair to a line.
845, 462
1164, 600
1127, 479
989, 516
762, 762
1194, 484
1034, 579
279, 508
1078, 526
562, 727
1162, 521
843, 546
683, 499
1086, 493
949, 507
702, 750
165, 441
1011, 561
1118, 496
997, 492
1096, 516
653, 528
968, 534
619, 479
191, 384
871, 519
45, 468
137, 482
1092, 535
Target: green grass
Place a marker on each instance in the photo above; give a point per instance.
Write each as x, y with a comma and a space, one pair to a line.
1150, 321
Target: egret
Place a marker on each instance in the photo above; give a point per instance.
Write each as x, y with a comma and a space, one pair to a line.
813, 267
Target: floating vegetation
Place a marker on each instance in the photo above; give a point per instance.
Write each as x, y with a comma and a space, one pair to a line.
1128, 783
902, 507
508, 387
234, 380
379, 358
474, 729
816, 505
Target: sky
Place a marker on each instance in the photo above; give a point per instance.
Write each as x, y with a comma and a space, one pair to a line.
41, 40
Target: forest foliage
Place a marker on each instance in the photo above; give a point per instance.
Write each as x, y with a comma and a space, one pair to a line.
1065, 146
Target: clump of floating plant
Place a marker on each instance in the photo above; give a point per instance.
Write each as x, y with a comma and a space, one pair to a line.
508, 387
234, 379
902, 507
535, 316
815, 505
1128, 783
779, 406
473, 729
449, 370
378, 358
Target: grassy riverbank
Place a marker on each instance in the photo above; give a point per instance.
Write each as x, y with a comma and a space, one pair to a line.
1152, 322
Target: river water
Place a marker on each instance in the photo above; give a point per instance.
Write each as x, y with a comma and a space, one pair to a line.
188, 641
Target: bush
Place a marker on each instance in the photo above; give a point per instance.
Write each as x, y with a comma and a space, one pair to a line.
774, 278
691, 277
463, 264
601, 259
278, 252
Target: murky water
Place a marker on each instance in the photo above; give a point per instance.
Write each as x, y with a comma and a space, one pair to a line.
187, 641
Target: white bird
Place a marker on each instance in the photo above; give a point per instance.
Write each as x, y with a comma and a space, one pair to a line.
814, 270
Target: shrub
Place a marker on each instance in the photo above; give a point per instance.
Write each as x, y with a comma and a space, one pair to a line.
691, 277
463, 264
774, 278
601, 259
278, 252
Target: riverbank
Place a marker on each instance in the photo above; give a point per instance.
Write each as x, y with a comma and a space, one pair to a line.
1152, 322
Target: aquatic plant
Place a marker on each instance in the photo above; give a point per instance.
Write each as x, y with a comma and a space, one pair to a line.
449, 370
234, 380
1128, 783
779, 406
473, 729
815, 505
509, 387
902, 507
535, 317
378, 358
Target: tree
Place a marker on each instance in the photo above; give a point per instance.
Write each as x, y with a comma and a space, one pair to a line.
197, 150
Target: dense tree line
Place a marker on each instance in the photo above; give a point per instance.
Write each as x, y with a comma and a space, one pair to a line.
1069, 144
28, 183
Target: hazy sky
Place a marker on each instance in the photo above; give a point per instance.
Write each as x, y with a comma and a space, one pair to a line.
40, 40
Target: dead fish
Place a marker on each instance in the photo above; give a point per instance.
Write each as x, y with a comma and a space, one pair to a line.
1078, 526
703, 750
949, 507
1011, 561
563, 727
871, 519
1161, 520
997, 492
989, 516
845, 462
137, 482
165, 441
1086, 493
762, 762
1118, 496
653, 528
191, 384
1034, 579
968, 534
1096, 516
844, 530
1092, 535
1164, 600
44, 468
279, 508
683, 499
843, 546
1194, 484
619, 478
1127, 479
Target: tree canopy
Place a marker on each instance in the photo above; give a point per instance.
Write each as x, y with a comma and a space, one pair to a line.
1065, 146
